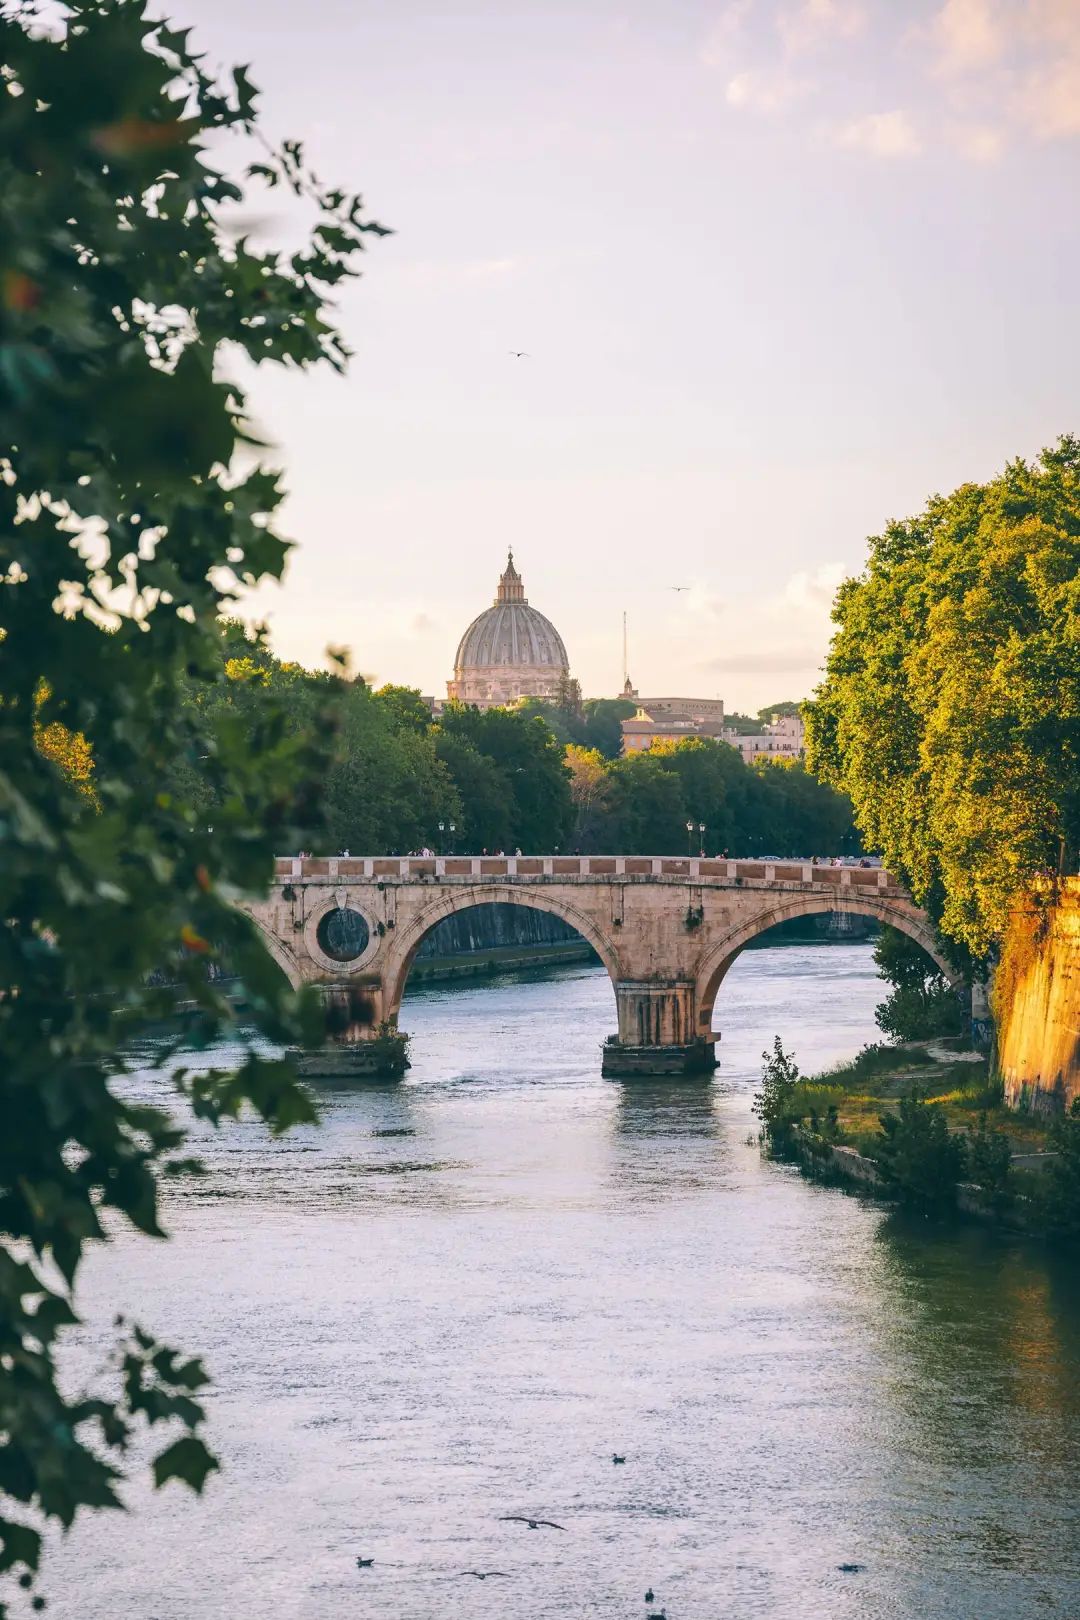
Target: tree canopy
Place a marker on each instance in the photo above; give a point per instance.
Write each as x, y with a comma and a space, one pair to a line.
643, 802
950, 709
134, 505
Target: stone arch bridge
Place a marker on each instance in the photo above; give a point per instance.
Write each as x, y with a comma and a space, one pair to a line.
667, 930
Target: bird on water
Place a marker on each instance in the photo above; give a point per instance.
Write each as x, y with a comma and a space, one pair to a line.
616, 1458
650, 1595
533, 1524
364, 1563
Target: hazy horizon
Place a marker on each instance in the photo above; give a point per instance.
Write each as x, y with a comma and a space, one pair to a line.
782, 271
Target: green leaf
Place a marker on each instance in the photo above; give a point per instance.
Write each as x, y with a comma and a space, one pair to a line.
187, 1460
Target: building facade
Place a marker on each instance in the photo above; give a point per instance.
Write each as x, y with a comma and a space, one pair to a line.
781, 738
510, 651
666, 720
660, 721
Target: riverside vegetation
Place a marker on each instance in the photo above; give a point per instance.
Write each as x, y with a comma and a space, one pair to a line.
931, 1123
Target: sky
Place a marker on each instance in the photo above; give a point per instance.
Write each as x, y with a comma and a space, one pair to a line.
782, 269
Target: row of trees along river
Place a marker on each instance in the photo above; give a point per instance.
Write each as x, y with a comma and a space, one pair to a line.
133, 514
505, 778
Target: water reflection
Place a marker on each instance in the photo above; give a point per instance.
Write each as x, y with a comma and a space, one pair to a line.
666, 1109
979, 1342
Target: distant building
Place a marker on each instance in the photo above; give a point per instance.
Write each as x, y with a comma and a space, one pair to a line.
672, 720
781, 738
711, 709
666, 720
509, 652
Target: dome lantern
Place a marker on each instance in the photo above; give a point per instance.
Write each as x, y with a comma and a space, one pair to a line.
511, 588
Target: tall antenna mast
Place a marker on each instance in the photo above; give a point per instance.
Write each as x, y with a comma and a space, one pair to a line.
625, 664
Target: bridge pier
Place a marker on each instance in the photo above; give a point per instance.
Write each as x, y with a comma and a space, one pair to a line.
358, 1043
658, 1031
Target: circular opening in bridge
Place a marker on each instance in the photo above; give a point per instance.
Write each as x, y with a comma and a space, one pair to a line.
343, 934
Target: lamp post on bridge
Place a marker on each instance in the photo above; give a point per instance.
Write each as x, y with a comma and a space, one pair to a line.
442, 829
701, 835
689, 839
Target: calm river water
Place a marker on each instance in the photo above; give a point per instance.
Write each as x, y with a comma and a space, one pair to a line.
459, 1297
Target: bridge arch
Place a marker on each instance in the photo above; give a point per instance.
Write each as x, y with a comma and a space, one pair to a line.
722, 952
403, 951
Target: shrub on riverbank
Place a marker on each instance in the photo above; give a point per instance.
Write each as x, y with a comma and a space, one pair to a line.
920, 1160
774, 1104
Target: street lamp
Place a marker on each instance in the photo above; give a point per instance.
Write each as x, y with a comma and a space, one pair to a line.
442, 829
689, 838
453, 830
701, 833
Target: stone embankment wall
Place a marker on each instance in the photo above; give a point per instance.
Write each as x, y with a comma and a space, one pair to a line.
484, 928
488, 938
1036, 1001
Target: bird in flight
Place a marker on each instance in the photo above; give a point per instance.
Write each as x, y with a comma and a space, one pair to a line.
482, 1574
678, 587
520, 354
533, 1524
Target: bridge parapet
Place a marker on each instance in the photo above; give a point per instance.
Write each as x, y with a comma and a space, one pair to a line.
577, 868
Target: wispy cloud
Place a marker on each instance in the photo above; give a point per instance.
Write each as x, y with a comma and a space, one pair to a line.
818, 22
1048, 101
725, 34
764, 92
780, 662
967, 34
785, 633
1018, 61
811, 591
701, 605
972, 76
979, 143
883, 135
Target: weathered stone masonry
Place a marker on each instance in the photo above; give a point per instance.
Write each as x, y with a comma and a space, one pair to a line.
666, 929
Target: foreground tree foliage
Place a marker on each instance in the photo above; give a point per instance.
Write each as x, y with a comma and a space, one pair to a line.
126, 523
950, 711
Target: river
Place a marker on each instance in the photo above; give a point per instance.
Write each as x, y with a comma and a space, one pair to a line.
460, 1296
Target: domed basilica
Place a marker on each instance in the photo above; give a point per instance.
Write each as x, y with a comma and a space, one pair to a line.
510, 651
